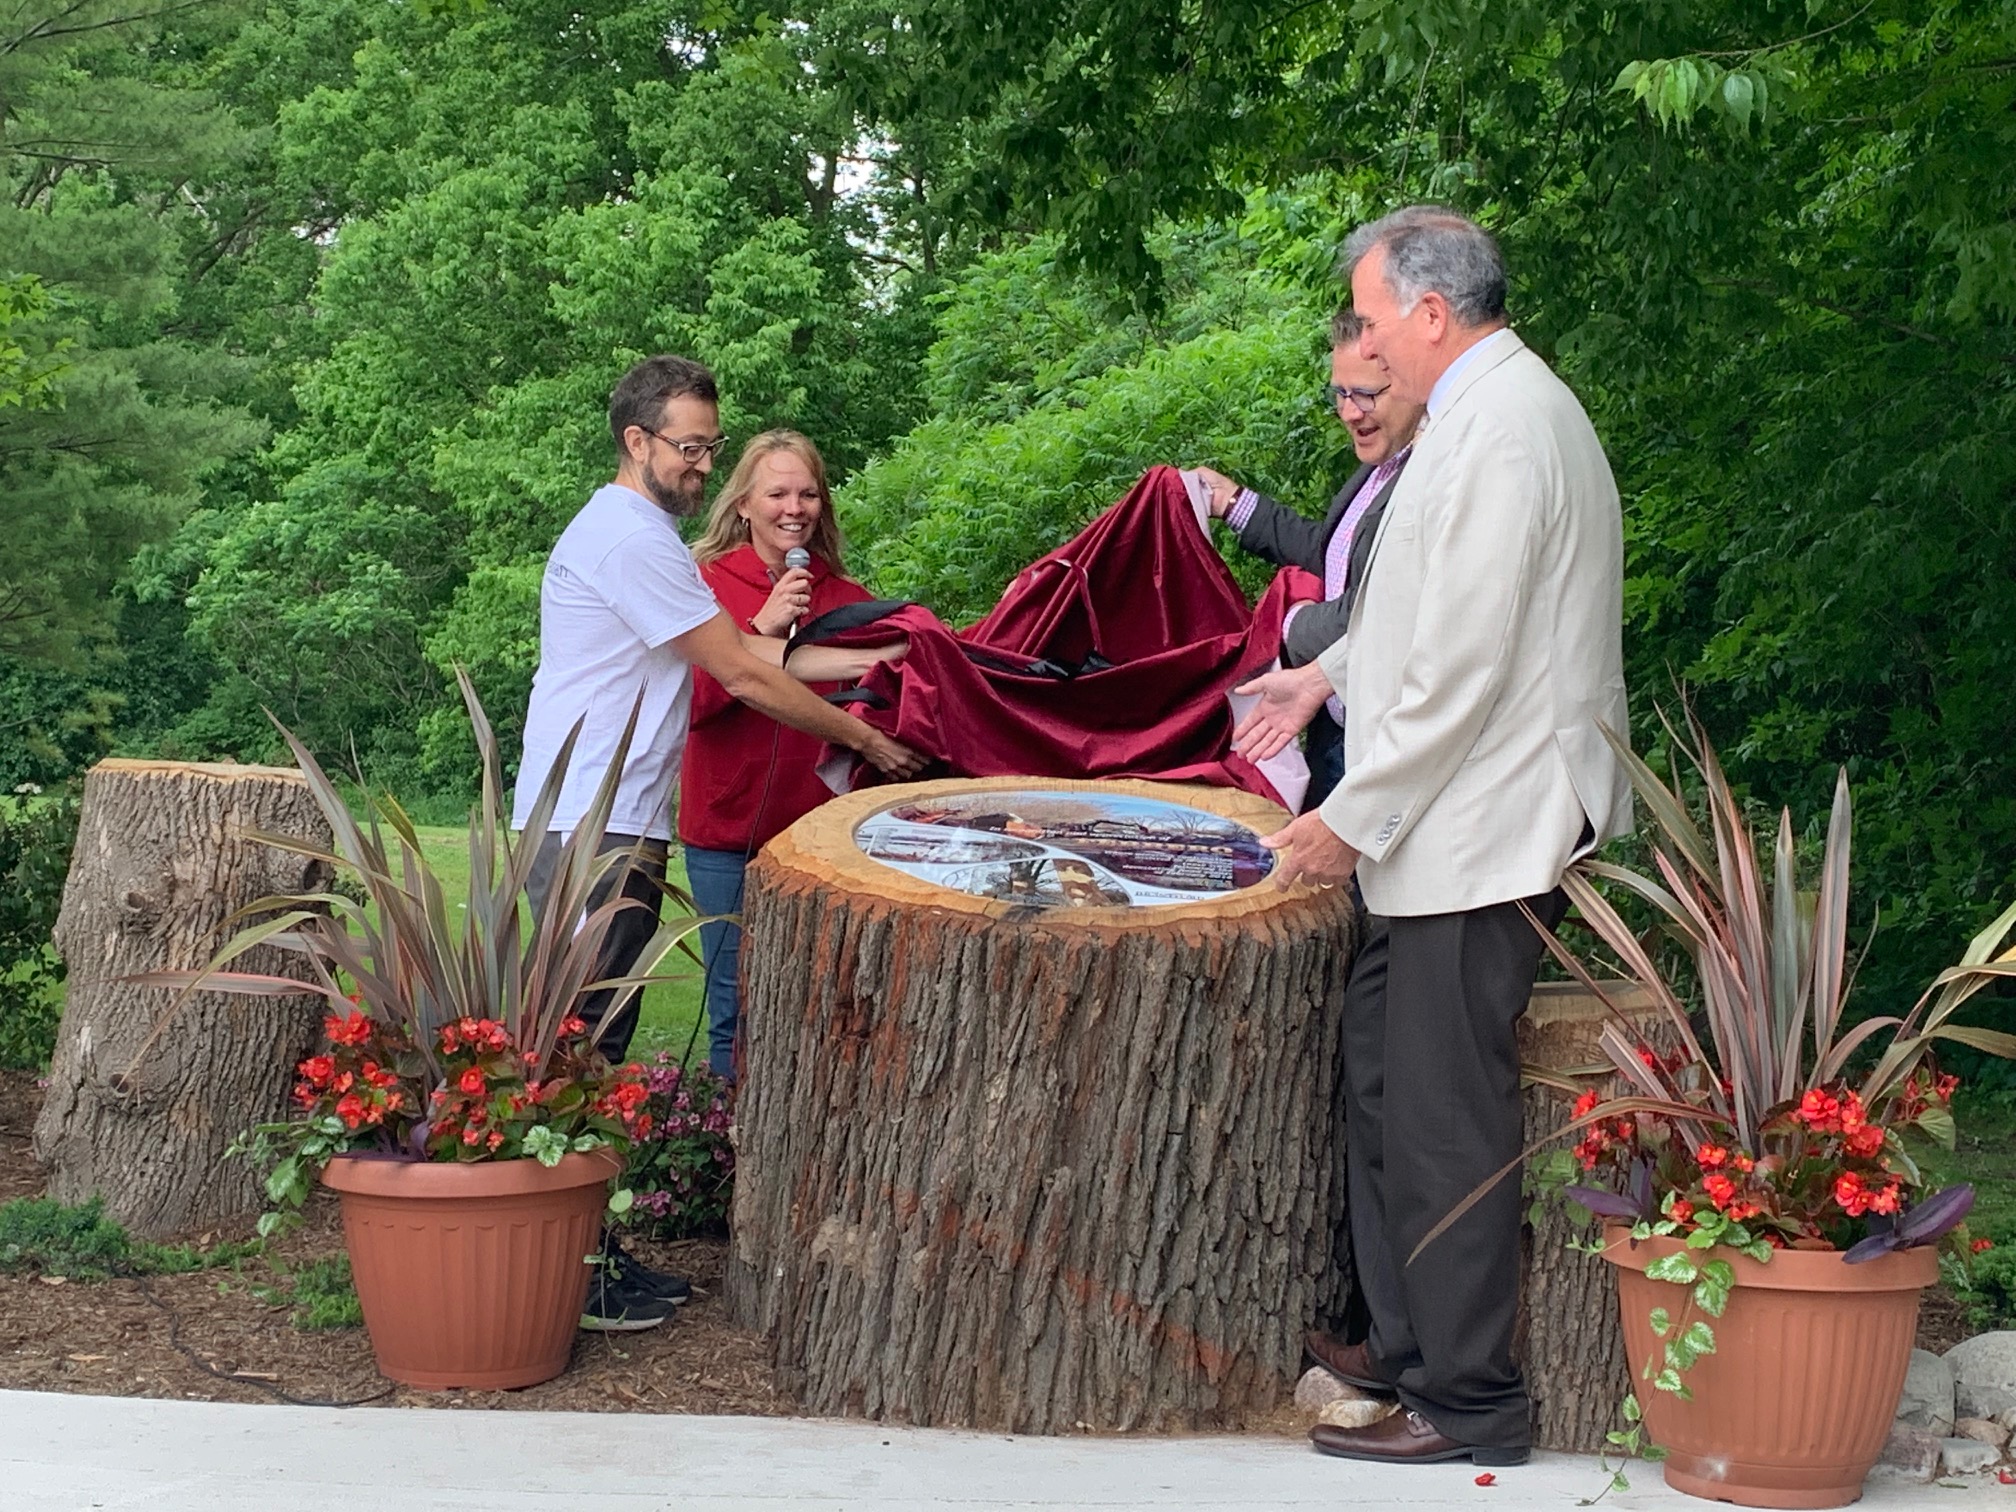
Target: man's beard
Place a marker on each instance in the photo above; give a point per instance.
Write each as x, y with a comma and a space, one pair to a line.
679, 496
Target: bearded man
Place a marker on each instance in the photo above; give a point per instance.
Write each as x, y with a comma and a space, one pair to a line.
624, 615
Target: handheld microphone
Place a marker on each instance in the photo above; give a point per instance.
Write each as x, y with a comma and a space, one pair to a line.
797, 559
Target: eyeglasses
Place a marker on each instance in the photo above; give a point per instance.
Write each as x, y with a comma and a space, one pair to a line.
691, 451
1362, 399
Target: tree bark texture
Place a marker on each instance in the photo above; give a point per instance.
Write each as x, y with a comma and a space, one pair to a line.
1571, 1342
144, 1097
1033, 1171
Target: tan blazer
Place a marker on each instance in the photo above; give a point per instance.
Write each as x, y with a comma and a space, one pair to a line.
1484, 647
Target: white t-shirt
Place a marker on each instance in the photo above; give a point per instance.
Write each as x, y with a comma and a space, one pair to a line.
619, 586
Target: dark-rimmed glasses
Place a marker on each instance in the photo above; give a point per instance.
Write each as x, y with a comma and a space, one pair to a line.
1362, 399
690, 451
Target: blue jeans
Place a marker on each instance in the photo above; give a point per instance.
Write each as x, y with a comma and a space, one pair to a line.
716, 879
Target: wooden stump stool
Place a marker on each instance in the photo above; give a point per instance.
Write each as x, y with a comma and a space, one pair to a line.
142, 1103
1571, 1341
1032, 1151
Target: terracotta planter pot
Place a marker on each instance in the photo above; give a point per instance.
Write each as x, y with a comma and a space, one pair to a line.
1795, 1404
472, 1275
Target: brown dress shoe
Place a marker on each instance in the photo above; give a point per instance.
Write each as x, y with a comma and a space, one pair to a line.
1406, 1438
1350, 1363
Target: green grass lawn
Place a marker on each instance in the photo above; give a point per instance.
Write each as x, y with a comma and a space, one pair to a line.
1982, 1155
672, 1009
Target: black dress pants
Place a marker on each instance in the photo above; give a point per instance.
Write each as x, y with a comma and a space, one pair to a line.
611, 1013
1432, 1110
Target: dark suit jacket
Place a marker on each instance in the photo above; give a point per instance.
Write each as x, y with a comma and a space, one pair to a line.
1287, 539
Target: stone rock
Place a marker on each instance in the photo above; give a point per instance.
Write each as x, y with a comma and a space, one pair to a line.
1983, 1430
1928, 1395
2007, 1420
1965, 1456
1318, 1389
1361, 1412
1910, 1454
1984, 1374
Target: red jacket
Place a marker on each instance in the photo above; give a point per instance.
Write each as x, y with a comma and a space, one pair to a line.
728, 752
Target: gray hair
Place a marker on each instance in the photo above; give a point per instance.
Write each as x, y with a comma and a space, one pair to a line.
1430, 248
1346, 326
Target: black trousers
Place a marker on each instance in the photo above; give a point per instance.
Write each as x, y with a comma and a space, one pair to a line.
612, 1022
1324, 752
1432, 1110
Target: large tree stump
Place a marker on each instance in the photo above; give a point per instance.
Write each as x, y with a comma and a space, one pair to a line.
1572, 1343
1033, 1168
141, 1103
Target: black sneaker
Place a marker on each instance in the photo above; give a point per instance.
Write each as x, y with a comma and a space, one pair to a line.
638, 1276
616, 1305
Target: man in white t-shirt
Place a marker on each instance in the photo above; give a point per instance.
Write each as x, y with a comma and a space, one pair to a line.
623, 609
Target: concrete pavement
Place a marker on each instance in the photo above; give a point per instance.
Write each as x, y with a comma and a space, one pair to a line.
63, 1453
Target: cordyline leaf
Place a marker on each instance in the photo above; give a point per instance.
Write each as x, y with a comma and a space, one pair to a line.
1667, 811
1788, 1008
1992, 1041
1639, 968
240, 983
1616, 1107
1982, 946
1830, 922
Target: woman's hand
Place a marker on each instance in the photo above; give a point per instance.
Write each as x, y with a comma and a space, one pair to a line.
786, 605
891, 758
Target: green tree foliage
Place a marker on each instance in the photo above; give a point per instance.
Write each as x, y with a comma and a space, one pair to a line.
110, 417
523, 202
37, 831
1048, 401
996, 262
1769, 244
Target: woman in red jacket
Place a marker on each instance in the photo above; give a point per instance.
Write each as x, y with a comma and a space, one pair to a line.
746, 777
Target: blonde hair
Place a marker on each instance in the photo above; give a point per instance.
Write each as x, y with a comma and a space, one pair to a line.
726, 529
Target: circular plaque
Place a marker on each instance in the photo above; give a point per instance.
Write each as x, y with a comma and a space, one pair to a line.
1062, 848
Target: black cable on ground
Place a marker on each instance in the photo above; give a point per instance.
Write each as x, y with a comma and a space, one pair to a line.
175, 1342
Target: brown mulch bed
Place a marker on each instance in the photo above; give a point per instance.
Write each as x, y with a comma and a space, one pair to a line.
188, 1336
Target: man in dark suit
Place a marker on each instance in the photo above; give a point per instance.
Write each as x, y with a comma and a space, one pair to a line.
1382, 432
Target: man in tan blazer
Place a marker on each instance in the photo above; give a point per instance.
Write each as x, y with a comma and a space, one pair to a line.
1484, 648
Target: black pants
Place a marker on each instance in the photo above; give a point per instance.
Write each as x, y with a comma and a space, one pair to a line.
1324, 751
610, 1021
1432, 1110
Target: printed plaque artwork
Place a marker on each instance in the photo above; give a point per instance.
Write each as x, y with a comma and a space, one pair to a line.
1056, 849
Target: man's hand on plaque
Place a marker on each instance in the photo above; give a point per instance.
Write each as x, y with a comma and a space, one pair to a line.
1310, 851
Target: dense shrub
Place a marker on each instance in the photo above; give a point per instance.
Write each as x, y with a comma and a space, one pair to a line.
37, 831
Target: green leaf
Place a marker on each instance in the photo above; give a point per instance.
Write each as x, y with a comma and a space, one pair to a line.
1938, 1122
1662, 1322
1678, 1268
1739, 95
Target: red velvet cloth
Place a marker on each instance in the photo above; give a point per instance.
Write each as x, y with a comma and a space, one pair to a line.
745, 777
1141, 587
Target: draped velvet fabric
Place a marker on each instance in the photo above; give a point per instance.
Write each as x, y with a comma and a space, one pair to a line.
1113, 656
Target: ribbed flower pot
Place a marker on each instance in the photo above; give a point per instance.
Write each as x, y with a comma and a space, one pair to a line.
471, 1275
1795, 1404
